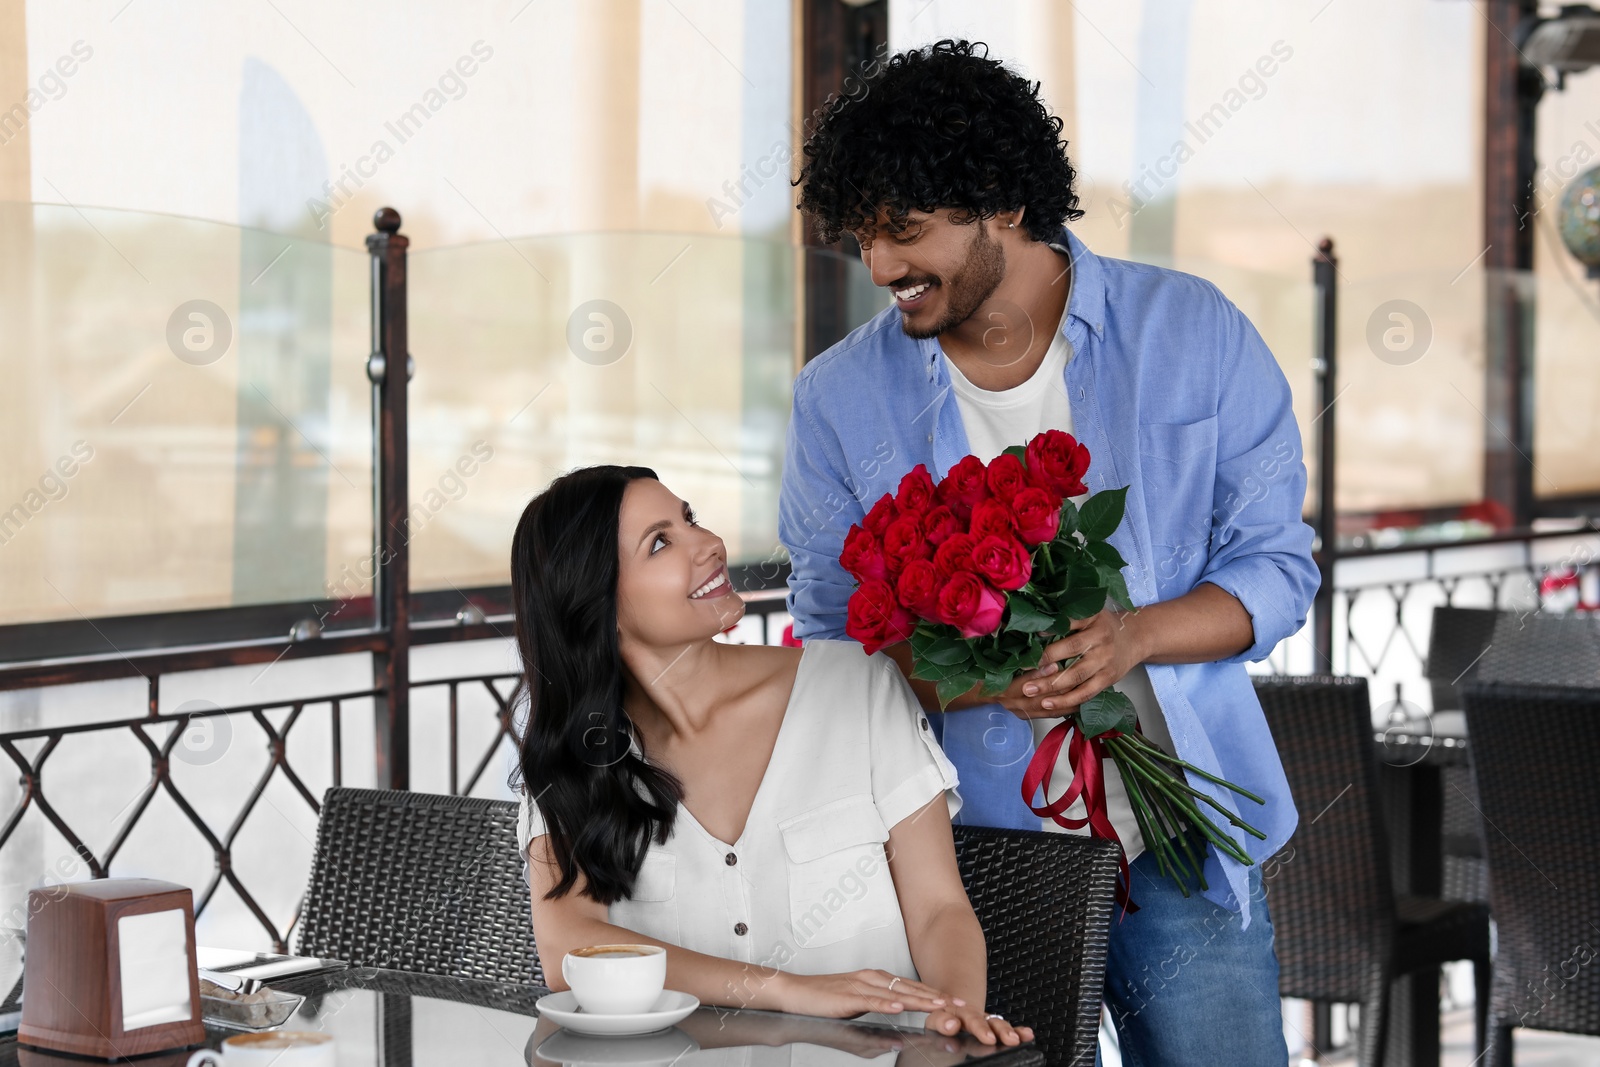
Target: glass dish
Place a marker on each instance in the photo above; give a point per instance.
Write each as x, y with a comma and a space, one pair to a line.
264, 1009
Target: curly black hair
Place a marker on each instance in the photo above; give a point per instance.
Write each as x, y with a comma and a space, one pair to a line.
943, 126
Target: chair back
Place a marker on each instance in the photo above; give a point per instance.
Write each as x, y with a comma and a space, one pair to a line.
1543, 650
1330, 891
1044, 902
420, 882
1456, 642
1535, 752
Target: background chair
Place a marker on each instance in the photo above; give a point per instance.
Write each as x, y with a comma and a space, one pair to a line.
1342, 933
1456, 640
1535, 752
1044, 902
420, 882
1542, 650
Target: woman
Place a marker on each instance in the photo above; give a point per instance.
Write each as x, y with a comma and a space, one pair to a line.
774, 817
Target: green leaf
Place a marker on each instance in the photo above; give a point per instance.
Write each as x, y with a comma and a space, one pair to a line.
1020, 451
996, 681
1117, 590
1069, 520
1082, 603
1108, 710
950, 688
1082, 573
1102, 513
1027, 618
947, 650
938, 672
1103, 553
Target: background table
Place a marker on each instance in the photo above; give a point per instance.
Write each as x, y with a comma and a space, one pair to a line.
394, 1019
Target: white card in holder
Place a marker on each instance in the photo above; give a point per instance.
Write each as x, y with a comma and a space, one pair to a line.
155, 968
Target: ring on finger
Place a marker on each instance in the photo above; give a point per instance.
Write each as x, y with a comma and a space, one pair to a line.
892, 983
1000, 1017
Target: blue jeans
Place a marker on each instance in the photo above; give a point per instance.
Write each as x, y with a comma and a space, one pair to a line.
1186, 985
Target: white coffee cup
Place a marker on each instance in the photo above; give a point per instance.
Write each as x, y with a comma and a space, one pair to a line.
616, 979
280, 1048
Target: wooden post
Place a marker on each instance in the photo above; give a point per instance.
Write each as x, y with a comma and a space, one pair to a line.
839, 44
389, 368
1511, 92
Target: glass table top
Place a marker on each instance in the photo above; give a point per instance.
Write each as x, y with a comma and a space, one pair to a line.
394, 1019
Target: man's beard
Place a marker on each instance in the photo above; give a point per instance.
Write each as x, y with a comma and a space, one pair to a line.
979, 277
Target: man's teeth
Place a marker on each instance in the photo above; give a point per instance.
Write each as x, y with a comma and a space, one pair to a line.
911, 293
715, 583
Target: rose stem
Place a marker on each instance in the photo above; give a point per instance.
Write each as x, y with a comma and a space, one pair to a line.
1192, 813
1148, 765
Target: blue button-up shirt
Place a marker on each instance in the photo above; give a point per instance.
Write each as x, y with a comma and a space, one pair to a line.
1175, 395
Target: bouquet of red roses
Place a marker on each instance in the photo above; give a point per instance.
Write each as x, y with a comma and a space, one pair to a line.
982, 571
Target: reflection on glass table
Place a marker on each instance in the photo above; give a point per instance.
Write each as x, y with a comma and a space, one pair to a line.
383, 1018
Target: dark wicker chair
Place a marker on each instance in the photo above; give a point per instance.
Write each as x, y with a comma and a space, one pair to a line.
1539, 649
1044, 902
1534, 752
432, 884
1342, 933
1456, 641
420, 882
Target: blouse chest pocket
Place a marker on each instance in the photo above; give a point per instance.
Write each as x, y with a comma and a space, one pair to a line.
652, 908
839, 882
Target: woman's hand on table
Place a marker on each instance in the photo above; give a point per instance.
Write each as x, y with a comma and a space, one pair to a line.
841, 996
990, 1029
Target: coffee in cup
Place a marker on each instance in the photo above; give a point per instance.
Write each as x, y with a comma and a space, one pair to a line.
279, 1048
616, 979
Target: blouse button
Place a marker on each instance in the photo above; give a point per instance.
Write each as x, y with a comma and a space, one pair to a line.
730, 859
741, 929
924, 721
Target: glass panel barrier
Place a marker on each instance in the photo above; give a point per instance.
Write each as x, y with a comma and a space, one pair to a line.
539, 354
1411, 410
1566, 383
186, 422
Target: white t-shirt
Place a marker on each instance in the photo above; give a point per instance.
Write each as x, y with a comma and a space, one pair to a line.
994, 421
806, 888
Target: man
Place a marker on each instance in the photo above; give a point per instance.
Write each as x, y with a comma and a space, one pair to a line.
952, 175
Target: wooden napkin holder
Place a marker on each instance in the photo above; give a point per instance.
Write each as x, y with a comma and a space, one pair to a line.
105, 969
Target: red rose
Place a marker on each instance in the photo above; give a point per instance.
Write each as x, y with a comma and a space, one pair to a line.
916, 491
875, 618
903, 542
1037, 514
964, 486
882, 514
1004, 561
918, 589
992, 518
970, 605
1057, 463
862, 556
955, 555
1007, 476
940, 524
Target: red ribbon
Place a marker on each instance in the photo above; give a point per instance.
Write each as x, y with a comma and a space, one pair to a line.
1086, 755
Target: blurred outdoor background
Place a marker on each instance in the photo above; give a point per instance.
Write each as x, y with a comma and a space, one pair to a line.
185, 315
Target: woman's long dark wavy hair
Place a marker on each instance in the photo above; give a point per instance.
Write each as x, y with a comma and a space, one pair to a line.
943, 126
601, 803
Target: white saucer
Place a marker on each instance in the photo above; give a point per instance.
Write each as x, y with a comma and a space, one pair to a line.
671, 1007
650, 1050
